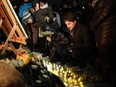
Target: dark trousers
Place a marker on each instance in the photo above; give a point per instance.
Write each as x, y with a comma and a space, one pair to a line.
106, 61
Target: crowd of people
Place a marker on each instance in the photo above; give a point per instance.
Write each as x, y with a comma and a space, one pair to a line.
83, 33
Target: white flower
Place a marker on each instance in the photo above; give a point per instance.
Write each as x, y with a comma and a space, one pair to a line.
38, 81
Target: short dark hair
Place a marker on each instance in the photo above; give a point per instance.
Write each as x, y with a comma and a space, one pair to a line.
10, 77
69, 16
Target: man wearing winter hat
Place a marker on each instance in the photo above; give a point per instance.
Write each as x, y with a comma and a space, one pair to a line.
42, 3
43, 11
23, 8
25, 5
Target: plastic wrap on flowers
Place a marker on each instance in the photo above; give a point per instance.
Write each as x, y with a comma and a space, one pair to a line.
24, 55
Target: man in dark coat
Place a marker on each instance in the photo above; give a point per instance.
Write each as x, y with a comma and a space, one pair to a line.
79, 37
103, 26
43, 11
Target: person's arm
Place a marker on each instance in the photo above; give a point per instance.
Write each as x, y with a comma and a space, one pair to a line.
84, 36
102, 10
50, 14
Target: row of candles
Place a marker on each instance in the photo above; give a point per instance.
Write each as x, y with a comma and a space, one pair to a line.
69, 78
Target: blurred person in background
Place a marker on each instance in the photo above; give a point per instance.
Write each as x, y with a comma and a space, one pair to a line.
104, 29
43, 17
24, 16
25, 5
43, 10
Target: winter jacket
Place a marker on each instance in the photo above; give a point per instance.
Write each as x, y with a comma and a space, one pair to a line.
81, 45
41, 14
103, 22
81, 36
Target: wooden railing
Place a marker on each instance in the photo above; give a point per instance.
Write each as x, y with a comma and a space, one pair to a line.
11, 26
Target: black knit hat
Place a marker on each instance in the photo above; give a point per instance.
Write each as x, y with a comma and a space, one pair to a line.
44, 1
34, 2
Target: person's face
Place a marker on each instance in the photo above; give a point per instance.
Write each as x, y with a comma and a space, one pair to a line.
41, 4
36, 7
30, 20
70, 25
